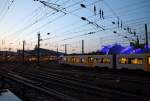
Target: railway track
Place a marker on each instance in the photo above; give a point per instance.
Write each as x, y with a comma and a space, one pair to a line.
58, 82
110, 77
101, 75
95, 75
126, 83
35, 85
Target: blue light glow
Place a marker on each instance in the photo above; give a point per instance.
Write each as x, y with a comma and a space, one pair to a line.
118, 49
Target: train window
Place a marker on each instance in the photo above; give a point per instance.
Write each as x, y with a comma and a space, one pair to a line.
66, 59
123, 60
136, 60
82, 60
90, 59
148, 60
98, 60
73, 59
106, 60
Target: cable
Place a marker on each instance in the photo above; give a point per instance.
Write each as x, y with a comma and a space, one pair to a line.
54, 20
8, 8
107, 26
41, 26
32, 15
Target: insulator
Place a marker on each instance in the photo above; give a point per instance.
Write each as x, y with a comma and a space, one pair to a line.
118, 23
121, 25
134, 33
82, 5
100, 13
125, 37
83, 18
128, 28
113, 22
94, 10
114, 32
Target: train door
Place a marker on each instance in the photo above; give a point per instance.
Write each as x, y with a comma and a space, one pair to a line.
114, 62
147, 63
147, 66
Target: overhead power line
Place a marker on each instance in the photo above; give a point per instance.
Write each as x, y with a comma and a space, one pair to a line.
53, 6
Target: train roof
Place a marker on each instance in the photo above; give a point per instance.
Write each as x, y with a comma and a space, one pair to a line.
102, 54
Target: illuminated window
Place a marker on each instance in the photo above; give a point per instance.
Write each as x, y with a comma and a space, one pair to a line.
82, 60
98, 60
73, 59
136, 61
123, 61
66, 59
106, 60
90, 59
148, 60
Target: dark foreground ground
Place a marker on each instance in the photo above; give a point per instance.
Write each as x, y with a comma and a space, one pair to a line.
53, 82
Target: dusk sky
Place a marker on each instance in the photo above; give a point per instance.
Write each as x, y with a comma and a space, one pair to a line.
23, 19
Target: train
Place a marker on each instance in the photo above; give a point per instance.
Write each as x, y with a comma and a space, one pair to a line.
27, 59
116, 61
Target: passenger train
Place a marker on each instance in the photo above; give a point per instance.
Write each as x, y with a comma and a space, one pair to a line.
119, 61
27, 59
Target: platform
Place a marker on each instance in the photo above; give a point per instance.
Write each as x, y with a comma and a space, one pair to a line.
6, 95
